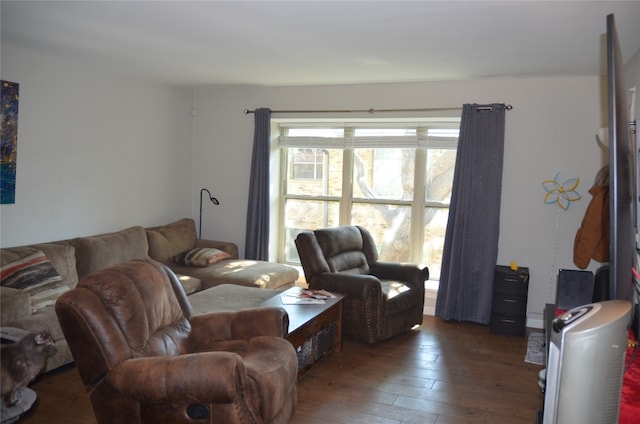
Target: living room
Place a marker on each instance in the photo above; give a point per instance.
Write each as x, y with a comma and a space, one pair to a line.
95, 146
102, 149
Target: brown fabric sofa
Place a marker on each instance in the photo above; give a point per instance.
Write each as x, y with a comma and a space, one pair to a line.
15, 304
145, 358
75, 258
170, 240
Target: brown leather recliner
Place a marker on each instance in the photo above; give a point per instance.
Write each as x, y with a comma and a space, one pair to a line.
383, 298
144, 358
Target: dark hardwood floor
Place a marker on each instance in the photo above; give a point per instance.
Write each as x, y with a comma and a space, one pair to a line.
441, 373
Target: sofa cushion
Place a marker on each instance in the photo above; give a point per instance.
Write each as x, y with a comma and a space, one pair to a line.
229, 297
189, 284
172, 239
243, 272
35, 275
61, 254
201, 256
14, 304
98, 252
34, 269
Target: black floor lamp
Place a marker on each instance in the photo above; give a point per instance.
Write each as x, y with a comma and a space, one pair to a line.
213, 200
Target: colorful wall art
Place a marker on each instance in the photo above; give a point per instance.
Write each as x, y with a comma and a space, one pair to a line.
8, 141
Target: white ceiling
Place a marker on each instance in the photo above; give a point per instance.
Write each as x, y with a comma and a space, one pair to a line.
325, 42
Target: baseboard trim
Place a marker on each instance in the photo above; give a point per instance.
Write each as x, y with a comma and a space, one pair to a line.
535, 323
531, 323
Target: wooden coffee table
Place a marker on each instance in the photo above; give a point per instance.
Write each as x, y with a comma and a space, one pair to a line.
314, 330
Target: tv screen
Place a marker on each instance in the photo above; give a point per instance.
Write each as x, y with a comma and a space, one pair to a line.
621, 179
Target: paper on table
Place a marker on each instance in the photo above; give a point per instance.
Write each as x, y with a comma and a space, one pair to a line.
307, 297
296, 300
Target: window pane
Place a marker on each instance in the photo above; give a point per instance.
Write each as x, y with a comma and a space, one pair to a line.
306, 215
440, 167
389, 226
306, 172
306, 163
434, 229
383, 173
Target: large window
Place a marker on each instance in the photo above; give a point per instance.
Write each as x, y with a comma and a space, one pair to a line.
394, 178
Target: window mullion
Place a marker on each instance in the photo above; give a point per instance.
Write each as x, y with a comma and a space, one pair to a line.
347, 177
281, 204
417, 209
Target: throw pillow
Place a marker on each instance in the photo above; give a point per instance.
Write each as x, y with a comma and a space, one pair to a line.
201, 256
35, 275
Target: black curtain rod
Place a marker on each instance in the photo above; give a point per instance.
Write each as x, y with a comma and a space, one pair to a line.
372, 110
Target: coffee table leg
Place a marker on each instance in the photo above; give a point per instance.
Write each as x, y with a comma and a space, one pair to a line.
338, 343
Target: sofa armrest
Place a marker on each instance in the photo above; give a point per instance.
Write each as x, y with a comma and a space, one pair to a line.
15, 304
406, 273
354, 285
236, 325
209, 376
227, 246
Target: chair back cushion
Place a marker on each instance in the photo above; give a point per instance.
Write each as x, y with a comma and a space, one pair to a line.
61, 254
134, 309
346, 248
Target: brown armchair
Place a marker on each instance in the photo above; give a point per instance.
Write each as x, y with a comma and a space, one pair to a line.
144, 358
383, 298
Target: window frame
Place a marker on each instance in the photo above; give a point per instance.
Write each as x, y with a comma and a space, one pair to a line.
421, 141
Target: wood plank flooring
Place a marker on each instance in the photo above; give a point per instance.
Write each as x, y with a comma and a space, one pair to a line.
441, 373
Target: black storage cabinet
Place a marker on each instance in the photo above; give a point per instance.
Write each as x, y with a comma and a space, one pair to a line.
509, 306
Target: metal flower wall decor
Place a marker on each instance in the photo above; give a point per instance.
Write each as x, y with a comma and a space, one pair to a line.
563, 193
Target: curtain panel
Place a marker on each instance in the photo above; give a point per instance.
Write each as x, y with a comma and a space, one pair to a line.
256, 245
471, 239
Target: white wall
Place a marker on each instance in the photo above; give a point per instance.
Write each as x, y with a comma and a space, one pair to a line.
551, 128
632, 79
96, 152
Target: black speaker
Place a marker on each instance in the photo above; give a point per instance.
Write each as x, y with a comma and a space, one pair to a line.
575, 288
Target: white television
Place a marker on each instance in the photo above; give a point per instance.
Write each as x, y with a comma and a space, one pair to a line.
586, 363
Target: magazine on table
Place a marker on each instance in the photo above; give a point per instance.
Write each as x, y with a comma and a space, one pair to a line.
307, 297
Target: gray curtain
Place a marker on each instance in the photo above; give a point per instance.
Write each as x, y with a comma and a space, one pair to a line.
256, 245
471, 240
